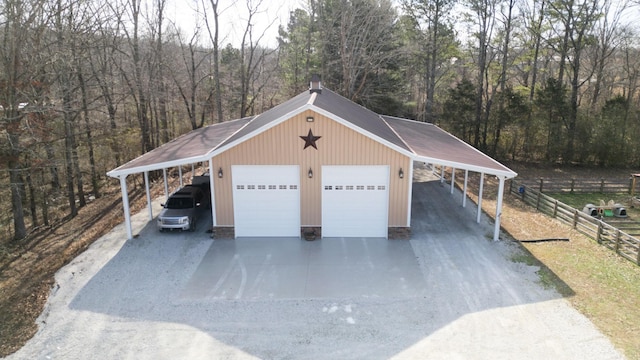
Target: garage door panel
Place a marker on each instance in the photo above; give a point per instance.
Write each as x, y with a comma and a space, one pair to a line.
266, 200
355, 201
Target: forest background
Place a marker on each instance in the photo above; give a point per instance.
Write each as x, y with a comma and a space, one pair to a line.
88, 85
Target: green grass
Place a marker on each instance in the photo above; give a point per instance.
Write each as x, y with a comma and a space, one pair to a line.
547, 278
579, 200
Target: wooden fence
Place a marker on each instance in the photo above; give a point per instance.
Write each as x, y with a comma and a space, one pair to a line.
551, 185
615, 239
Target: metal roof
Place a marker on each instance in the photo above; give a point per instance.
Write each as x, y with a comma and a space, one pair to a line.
261, 122
188, 148
432, 144
357, 115
421, 141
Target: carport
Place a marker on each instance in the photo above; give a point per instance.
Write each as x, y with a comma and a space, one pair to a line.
188, 149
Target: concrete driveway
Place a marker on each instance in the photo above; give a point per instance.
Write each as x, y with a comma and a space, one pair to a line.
448, 293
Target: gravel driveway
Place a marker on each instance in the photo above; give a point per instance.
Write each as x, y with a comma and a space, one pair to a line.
448, 293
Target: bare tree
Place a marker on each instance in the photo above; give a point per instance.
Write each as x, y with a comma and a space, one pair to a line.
483, 11
252, 60
193, 59
434, 16
135, 80
16, 79
214, 36
609, 32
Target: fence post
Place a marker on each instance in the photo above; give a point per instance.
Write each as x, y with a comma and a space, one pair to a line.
602, 185
541, 183
618, 241
598, 237
555, 209
575, 218
573, 184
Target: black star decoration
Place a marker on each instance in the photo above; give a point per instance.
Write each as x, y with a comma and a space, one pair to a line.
310, 140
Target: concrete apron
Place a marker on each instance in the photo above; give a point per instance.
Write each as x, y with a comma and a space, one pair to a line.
288, 268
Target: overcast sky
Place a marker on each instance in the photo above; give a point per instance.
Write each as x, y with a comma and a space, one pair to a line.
233, 18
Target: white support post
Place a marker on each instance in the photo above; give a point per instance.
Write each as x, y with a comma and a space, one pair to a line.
453, 179
464, 195
410, 179
166, 185
213, 196
125, 205
496, 230
480, 198
180, 172
146, 188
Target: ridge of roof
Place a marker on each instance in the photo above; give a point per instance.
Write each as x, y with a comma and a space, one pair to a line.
359, 116
398, 135
261, 121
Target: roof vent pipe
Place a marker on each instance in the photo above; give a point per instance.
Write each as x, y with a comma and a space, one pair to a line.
315, 85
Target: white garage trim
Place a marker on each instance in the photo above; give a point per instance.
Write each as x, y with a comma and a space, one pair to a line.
355, 201
266, 200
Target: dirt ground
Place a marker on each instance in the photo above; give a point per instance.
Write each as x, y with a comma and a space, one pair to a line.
27, 268
158, 297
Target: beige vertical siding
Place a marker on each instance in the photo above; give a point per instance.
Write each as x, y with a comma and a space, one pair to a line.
338, 145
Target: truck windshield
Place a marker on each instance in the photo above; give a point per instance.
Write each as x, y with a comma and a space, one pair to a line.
179, 203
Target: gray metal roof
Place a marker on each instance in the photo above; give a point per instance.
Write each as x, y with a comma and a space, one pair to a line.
278, 112
434, 144
192, 145
421, 141
357, 115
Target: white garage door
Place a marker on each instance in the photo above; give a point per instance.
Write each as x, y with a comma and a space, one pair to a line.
355, 201
266, 200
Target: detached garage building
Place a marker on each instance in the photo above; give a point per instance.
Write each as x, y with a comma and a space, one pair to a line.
316, 161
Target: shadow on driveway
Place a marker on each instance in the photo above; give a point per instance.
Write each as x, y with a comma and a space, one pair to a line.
449, 292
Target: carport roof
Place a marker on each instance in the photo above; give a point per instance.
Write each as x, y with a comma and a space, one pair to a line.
188, 148
421, 141
430, 143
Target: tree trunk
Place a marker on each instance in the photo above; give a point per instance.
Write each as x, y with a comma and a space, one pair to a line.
32, 199
87, 128
503, 78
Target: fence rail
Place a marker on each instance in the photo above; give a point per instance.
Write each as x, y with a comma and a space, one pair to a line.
551, 185
615, 239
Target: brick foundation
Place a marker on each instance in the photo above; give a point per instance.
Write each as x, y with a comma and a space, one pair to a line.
311, 233
399, 233
223, 232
